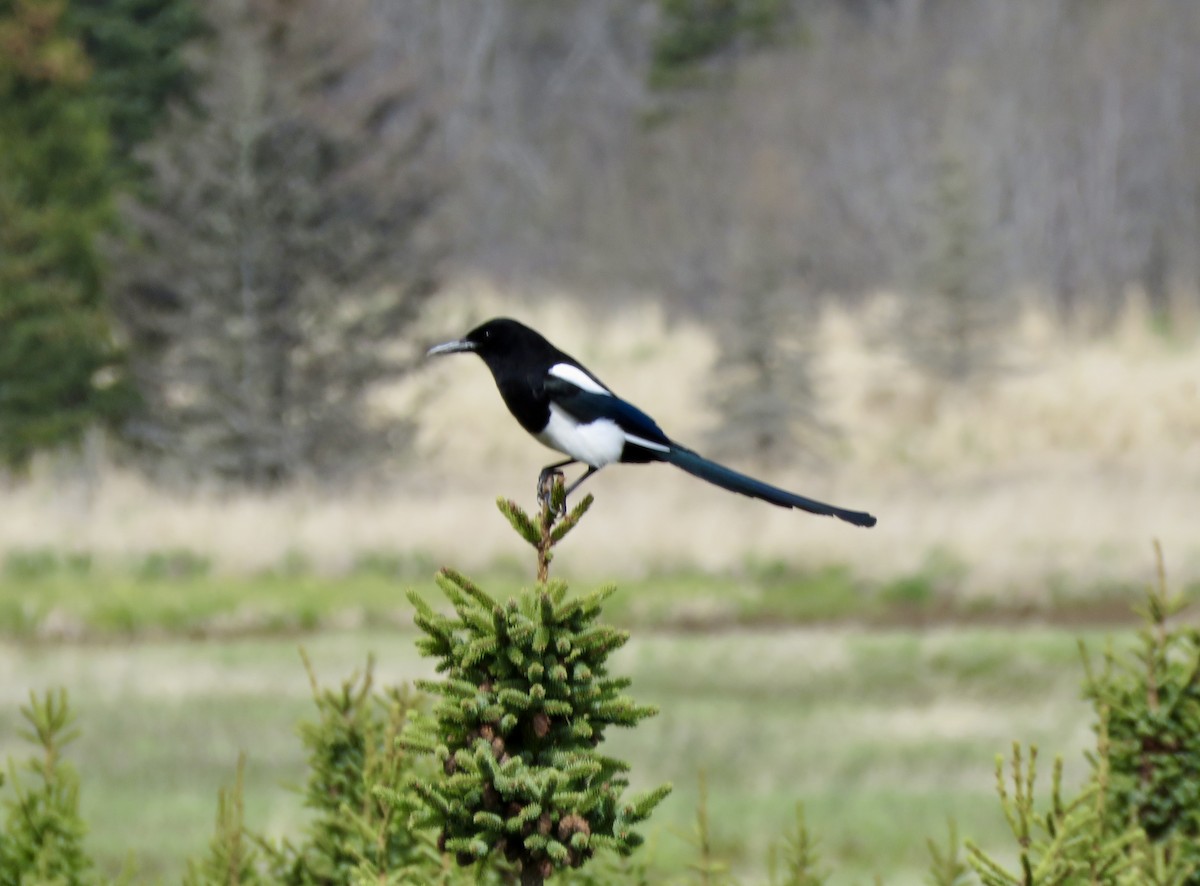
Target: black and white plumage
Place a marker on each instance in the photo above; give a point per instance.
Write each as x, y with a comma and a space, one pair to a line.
567, 408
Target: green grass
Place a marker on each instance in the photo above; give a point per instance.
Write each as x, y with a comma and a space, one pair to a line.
174, 593
881, 733
880, 728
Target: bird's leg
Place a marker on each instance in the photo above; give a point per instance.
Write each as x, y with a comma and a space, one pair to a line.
544, 486
591, 470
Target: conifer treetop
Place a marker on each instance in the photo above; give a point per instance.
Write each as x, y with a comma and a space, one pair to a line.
525, 699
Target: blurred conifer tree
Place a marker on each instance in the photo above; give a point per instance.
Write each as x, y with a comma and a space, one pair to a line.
58, 363
140, 66
953, 328
81, 85
692, 32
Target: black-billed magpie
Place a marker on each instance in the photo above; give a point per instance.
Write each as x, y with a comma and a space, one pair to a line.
567, 408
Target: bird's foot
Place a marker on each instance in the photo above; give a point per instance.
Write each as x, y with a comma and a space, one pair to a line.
545, 489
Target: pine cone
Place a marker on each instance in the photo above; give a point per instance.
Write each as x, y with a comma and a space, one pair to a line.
572, 824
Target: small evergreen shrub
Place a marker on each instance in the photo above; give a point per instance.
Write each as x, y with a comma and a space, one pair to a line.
232, 856
1137, 819
794, 859
356, 772
1148, 715
41, 837
524, 703
356, 793
1072, 841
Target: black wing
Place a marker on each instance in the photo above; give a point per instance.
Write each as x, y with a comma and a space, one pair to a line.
588, 406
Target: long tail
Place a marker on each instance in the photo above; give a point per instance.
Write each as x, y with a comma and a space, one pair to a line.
719, 475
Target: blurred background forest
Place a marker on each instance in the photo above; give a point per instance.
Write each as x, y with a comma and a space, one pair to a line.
938, 259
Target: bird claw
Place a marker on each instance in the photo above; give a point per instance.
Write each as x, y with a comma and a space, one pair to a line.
545, 490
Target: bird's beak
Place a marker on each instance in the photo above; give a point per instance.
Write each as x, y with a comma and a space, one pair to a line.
451, 347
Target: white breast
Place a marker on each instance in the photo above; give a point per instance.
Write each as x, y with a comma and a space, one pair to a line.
597, 444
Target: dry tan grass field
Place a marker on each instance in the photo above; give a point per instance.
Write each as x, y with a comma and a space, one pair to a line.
1061, 470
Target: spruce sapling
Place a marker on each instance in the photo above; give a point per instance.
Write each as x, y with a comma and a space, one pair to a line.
525, 701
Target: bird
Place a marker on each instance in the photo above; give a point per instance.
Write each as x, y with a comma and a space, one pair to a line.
565, 406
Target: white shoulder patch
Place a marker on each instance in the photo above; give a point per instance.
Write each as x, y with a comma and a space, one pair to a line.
578, 377
646, 444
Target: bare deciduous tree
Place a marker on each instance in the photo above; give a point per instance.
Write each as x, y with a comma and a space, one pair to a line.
1083, 131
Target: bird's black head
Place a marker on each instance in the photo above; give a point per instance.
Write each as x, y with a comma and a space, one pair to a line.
502, 342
